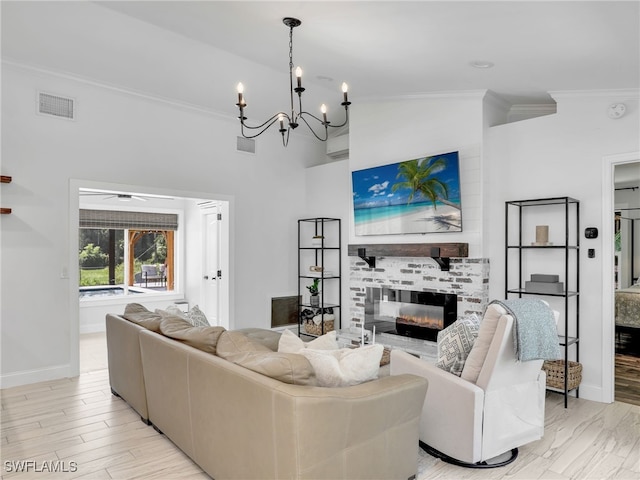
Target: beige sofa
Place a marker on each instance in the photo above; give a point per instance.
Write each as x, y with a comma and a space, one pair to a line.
236, 423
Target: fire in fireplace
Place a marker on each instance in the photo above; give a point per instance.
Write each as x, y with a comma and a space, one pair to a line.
409, 313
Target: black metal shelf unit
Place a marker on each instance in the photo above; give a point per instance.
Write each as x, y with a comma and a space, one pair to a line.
326, 253
554, 208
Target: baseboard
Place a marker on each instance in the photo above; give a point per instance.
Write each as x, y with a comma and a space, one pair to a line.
93, 328
27, 377
593, 393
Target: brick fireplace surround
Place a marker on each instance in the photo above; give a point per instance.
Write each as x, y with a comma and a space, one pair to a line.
468, 278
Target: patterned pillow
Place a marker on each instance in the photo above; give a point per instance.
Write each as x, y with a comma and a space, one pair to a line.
455, 342
197, 318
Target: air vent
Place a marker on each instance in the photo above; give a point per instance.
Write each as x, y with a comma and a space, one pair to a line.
55, 105
247, 145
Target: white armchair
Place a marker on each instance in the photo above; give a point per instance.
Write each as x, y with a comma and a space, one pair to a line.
469, 422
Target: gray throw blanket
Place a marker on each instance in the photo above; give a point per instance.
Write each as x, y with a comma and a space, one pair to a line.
535, 332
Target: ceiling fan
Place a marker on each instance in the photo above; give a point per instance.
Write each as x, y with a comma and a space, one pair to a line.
123, 197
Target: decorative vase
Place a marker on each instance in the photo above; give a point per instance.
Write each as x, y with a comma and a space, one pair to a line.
314, 300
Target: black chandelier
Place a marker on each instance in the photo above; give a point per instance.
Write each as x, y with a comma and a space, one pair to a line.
294, 117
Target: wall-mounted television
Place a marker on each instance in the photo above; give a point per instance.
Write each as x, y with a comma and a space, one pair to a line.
421, 195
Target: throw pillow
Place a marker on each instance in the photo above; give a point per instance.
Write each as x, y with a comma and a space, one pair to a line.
478, 353
455, 342
345, 367
266, 337
291, 343
197, 317
231, 342
138, 314
285, 367
202, 338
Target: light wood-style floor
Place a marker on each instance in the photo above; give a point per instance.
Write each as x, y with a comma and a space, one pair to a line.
76, 424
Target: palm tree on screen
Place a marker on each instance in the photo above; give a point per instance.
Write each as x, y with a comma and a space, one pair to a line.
419, 178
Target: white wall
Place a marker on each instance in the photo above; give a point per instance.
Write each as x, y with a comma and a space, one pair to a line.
401, 129
562, 155
123, 138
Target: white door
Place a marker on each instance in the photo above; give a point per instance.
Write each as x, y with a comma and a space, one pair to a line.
211, 267
215, 255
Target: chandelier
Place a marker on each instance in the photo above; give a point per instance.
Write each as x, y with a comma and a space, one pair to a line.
290, 120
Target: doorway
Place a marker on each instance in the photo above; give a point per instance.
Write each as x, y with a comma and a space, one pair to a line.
626, 282
185, 245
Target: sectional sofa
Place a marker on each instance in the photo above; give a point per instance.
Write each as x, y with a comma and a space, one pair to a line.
237, 423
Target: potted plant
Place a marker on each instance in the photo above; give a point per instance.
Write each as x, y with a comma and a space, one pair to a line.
313, 290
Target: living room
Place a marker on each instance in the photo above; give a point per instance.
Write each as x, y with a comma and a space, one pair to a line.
128, 132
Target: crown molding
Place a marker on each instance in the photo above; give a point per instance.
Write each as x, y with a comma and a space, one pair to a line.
614, 93
117, 89
473, 94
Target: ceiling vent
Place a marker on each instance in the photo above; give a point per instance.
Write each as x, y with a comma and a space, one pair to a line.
55, 105
246, 145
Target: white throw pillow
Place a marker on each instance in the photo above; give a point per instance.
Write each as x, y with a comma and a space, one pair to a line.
455, 343
478, 353
346, 366
290, 343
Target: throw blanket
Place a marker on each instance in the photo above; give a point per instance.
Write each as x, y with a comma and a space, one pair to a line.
535, 333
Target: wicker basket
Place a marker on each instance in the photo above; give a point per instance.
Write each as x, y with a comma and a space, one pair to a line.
555, 374
313, 329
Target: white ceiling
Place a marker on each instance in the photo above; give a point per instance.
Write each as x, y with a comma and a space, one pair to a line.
382, 49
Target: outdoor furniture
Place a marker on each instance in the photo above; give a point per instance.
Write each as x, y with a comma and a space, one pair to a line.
150, 273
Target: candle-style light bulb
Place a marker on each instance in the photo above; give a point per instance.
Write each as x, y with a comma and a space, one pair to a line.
345, 88
240, 89
299, 76
323, 109
281, 119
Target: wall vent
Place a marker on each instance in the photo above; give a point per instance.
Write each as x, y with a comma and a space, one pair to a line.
247, 145
55, 105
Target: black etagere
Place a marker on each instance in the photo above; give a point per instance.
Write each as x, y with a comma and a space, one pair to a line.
564, 211
326, 253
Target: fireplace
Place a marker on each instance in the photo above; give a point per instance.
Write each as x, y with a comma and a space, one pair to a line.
409, 313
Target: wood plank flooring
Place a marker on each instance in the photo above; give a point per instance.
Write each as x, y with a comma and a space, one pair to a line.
83, 431
627, 379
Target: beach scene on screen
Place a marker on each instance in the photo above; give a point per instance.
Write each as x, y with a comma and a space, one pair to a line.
415, 196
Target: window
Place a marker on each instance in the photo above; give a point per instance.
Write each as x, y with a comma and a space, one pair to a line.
134, 249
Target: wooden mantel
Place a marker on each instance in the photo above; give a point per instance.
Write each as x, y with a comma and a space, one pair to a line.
440, 252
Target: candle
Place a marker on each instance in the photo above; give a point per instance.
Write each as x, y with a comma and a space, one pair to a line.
323, 109
240, 91
344, 91
299, 76
542, 234
281, 118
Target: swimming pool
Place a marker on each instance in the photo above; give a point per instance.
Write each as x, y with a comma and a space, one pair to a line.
102, 292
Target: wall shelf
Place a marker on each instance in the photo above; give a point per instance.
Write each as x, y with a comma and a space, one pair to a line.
5, 179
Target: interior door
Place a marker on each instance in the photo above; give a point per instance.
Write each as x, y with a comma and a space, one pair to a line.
211, 269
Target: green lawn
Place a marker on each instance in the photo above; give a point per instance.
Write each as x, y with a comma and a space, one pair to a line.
92, 277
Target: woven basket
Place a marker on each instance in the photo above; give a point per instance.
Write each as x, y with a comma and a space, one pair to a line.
555, 374
313, 329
